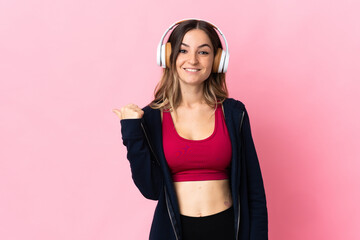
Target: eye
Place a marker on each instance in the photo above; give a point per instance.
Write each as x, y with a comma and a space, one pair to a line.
204, 53
182, 51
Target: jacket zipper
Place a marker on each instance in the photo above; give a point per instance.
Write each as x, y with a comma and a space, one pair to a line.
167, 205
148, 141
238, 222
166, 196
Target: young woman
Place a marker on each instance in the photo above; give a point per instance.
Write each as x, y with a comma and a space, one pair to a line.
191, 148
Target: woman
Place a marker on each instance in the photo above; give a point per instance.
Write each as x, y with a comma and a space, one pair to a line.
191, 148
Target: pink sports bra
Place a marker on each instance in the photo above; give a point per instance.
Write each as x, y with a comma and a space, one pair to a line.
197, 160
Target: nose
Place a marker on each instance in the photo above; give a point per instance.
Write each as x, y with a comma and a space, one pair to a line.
193, 58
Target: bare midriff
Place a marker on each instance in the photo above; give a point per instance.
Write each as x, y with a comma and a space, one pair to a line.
203, 198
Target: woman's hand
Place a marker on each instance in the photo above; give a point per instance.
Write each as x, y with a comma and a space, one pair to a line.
129, 111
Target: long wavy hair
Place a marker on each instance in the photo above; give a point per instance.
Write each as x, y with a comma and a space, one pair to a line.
167, 94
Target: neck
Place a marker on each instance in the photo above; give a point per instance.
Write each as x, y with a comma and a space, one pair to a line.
192, 96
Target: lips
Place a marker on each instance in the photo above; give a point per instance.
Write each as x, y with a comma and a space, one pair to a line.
191, 69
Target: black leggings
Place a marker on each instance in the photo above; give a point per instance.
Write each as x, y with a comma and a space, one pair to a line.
219, 226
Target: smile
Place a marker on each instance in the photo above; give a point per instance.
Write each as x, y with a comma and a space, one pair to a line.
191, 70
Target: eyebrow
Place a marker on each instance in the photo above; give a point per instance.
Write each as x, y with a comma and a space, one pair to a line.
202, 45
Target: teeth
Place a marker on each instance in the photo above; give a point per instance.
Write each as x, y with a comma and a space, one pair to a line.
191, 70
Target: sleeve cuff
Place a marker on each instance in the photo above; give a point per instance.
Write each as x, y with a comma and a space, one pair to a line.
131, 128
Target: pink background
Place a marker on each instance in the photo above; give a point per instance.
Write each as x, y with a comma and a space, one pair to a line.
65, 64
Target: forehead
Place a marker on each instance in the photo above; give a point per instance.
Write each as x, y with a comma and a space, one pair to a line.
196, 37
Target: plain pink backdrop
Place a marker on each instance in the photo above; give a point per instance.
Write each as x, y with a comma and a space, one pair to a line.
65, 64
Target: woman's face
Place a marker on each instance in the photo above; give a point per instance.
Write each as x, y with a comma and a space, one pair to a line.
195, 59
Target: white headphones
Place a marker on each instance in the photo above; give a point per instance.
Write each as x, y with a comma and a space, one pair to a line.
221, 60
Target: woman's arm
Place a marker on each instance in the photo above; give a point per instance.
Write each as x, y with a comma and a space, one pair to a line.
145, 169
256, 191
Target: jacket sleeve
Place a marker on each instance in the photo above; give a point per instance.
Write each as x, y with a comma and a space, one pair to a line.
145, 169
256, 191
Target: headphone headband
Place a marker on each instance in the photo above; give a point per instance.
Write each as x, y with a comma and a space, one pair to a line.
161, 52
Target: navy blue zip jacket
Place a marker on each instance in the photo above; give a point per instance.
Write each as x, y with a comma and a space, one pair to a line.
150, 172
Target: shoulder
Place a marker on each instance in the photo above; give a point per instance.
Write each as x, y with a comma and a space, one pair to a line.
147, 109
151, 116
150, 111
234, 104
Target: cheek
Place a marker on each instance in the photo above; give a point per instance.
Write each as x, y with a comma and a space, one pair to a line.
210, 59
178, 62
210, 63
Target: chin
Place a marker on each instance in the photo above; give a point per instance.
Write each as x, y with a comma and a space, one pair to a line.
192, 81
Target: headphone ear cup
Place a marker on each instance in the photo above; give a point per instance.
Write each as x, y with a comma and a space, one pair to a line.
226, 62
167, 54
162, 56
217, 60
158, 55
222, 62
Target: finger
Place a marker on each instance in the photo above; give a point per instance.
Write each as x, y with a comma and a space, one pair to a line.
133, 105
117, 112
